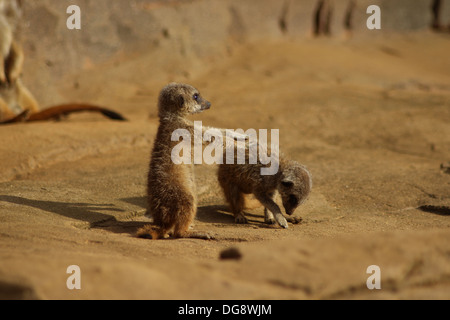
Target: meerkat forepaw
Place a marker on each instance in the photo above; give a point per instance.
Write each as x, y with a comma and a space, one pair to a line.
281, 221
294, 220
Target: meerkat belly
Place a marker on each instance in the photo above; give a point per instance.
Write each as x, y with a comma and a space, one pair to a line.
186, 177
245, 188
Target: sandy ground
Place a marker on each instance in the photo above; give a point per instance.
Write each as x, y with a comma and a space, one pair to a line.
369, 119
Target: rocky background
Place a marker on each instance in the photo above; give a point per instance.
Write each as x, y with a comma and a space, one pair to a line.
367, 112
197, 31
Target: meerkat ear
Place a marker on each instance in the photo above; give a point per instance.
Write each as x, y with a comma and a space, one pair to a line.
180, 101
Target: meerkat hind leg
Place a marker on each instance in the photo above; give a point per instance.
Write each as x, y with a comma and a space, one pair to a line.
237, 205
233, 196
240, 218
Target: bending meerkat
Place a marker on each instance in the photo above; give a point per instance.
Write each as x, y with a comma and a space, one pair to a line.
172, 200
292, 181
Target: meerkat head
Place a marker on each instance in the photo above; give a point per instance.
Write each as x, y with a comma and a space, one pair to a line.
181, 99
295, 186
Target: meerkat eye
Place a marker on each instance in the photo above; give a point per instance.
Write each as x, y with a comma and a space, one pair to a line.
195, 97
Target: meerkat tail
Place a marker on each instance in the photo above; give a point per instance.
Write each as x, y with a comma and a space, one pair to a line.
60, 110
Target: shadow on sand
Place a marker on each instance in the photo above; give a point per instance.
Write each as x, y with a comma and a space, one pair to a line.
94, 214
85, 212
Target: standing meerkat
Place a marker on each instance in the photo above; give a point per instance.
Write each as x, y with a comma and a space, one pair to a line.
292, 181
172, 200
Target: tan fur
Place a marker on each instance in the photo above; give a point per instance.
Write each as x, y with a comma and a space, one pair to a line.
17, 104
14, 97
11, 54
172, 197
292, 181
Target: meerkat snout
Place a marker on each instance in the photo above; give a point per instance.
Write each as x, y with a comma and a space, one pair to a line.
295, 187
202, 104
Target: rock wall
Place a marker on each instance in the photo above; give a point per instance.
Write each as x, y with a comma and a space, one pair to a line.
190, 29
